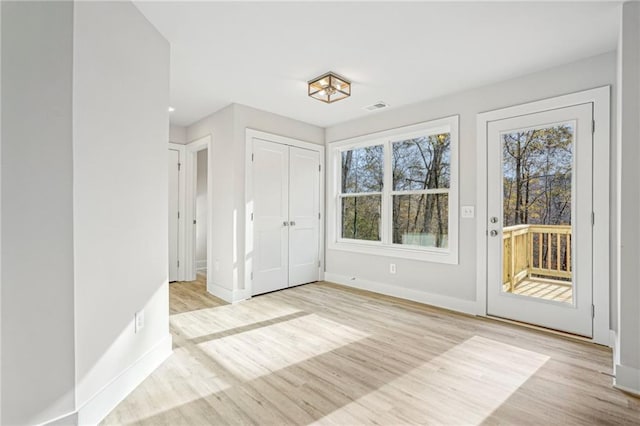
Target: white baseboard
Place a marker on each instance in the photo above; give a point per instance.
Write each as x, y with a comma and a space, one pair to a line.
220, 292
101, 404
201, 265
438, 300
627, 379
240, 295
231, 296
66, 420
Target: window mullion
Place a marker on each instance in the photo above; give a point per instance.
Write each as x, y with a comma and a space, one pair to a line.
387, 206
357, 194
421, 191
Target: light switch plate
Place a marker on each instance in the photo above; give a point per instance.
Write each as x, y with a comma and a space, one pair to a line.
468, 212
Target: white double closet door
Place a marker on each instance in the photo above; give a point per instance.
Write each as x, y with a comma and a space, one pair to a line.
286, 222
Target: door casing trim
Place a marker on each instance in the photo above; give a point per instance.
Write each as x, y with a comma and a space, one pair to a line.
600, 97
181, 208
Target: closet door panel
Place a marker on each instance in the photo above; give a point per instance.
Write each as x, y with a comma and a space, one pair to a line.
270, 208
304, 221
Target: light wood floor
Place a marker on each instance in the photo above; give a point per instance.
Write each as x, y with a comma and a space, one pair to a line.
189, 296
321, 353
544, 289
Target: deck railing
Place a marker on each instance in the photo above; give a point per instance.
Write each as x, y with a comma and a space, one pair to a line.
536, 251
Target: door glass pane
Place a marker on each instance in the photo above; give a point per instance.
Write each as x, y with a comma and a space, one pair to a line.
537, 206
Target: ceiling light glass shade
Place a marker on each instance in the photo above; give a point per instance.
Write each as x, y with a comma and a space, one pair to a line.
329, 88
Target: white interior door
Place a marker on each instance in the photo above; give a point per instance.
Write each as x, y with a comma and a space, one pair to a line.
540, 188
174, 204
304, 215
270, 209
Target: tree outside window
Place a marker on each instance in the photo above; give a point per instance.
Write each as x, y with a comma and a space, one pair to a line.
420, 194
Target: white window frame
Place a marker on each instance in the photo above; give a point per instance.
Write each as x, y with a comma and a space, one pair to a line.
386, 247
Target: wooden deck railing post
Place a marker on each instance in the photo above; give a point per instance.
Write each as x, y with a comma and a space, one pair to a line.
519, 242
512, 281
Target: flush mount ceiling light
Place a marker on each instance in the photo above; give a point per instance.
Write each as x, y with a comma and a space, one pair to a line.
329, 88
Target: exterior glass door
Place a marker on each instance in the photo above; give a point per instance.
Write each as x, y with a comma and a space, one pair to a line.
540, 230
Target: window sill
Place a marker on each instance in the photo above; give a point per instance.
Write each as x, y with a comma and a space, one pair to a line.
424, 255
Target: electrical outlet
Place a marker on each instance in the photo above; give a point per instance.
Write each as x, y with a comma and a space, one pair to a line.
139, 320
392, 268
468, 212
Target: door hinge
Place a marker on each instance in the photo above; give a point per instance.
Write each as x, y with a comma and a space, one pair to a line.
318, 215
252, 216
593, 311
252, 156
319, 167
179, 165
194, 221
178, 215
593, 126
593, 218
178, 263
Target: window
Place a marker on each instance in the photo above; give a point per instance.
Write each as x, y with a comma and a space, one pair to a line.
396, 192
361, 192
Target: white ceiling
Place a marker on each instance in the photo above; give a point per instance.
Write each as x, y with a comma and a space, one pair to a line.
262, 54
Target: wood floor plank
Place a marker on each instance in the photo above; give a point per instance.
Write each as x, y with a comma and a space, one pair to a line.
322, 353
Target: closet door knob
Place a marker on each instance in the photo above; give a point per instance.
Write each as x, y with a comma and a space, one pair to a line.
292, 223
285, 223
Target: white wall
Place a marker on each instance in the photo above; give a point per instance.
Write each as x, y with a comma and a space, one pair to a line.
220, 126
227, 126
201, 209
37, 212
454, 283
120, 129
627, 356
0, 213
177, 134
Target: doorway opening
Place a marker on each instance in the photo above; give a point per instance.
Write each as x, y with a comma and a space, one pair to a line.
198, 211
201, 212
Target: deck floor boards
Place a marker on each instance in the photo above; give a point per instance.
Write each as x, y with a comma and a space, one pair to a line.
545, 289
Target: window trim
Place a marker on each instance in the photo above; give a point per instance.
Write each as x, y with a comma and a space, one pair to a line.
385, 247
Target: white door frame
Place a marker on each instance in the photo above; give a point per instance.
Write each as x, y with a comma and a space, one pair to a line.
601, 180
248, 240
191, 171
181, 208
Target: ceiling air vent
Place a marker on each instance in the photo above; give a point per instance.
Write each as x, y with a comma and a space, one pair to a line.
377, 106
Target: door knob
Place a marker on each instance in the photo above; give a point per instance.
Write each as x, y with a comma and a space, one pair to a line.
285, 223
494, 219
292, 223
493, 233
